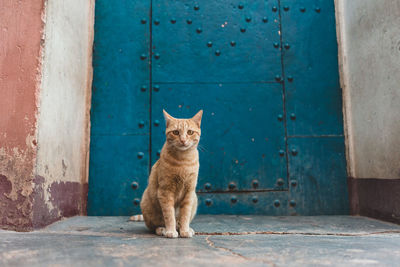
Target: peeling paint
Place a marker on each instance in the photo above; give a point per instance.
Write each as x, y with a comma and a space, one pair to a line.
16, 188
20, 77
15, 166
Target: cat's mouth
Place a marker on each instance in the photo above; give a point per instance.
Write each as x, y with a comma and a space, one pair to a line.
183, 147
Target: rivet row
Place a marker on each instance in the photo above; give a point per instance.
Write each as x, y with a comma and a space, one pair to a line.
254, 199
232, 185
240, 6
156, 88
292, 117
189, 21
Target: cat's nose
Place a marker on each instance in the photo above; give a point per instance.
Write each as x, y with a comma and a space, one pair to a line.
185, 142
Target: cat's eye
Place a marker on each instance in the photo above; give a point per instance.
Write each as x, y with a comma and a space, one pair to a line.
189, 132
176, 132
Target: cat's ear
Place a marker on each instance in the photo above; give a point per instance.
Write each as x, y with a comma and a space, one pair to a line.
197, 118
168, 118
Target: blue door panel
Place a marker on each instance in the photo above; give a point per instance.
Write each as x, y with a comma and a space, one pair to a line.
117, 108
118, 161
265, 73
241, 132
317, 168
222, 42
313, 94
120, 127
121, 99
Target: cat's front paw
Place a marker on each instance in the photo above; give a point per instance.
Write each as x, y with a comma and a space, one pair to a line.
171, 234
187, 234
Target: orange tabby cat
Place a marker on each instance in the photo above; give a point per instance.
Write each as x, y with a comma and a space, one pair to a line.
169, 202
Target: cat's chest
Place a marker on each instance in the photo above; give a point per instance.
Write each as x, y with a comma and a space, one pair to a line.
183, 184
182, 178
180, 175
181, 169
184, 172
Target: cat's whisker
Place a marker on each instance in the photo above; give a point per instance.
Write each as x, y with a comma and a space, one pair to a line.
202, 148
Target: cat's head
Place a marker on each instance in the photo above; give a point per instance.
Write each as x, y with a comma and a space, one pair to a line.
183, 134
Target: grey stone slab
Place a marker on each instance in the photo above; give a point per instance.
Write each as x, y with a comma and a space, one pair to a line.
205, 224
92, 224
90, 250
301, 250
292, 224
223, 240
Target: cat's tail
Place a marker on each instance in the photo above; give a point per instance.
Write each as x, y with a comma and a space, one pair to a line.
137, 218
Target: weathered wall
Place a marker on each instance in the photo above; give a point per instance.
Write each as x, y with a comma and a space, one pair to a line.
63, 121
369, 45
20, 45
45, 85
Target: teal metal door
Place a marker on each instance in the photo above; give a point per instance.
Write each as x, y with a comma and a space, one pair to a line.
264, 72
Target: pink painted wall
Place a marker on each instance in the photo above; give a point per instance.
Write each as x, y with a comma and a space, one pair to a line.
20, 35
45, 85
20, 48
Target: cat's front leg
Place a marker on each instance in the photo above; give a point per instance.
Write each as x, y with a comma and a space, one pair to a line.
186, 210
166, 200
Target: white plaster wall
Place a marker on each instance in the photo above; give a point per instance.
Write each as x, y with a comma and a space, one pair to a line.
63, 120
369, 45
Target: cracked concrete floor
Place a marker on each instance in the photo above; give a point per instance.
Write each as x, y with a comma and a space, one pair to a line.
220, 241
